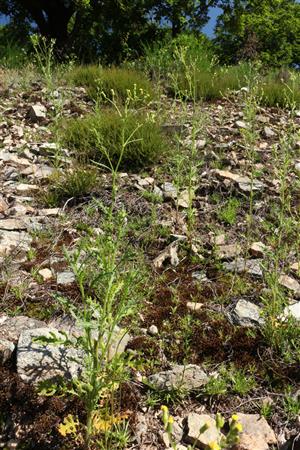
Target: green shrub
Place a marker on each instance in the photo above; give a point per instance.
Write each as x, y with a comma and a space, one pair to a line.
97, 79
146, 144
75, 184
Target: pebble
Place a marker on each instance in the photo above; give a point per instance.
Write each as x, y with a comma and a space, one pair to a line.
153, 330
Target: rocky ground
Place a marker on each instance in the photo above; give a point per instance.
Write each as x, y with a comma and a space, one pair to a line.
202, 320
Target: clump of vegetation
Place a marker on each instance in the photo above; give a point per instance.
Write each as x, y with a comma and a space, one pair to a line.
228, 213
104, 133
281, 88
71, 185
118, 80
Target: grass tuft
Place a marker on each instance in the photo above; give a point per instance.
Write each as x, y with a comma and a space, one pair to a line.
97, 79
146, 140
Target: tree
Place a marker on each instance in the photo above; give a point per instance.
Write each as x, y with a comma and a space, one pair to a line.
183, 14
268, 30
114, 28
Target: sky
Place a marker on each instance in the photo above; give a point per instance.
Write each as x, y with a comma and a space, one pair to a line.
208, 29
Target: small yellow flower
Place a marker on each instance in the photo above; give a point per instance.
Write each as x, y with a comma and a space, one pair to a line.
238, 427
164, 408
235, 417
171, 420
214, 446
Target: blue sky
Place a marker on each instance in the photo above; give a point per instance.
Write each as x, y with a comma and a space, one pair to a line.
209, 27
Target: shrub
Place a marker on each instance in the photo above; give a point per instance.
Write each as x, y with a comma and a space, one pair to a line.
145, 146
96, 79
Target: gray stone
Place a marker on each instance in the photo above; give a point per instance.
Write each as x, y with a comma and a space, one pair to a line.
37, 112
241, 124
229, 251
118, 341
11, 240
246, 314
6, 350
246, 185
9, 157
46, 274
200, 143
258, 249
49, 212
12, 327
24, 188
183, 199
256, 427
12, 224
47, 147
194, 307
291, 284
169, 191
200, 276
240, 265
243, 182
65, 278
194, 424
292, 310
269, 133
38, 362
187, 377
153, 330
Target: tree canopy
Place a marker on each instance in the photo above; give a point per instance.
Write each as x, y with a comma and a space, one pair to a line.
264, 29
268, 30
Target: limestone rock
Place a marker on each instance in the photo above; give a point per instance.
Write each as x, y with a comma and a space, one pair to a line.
241, 124
12, 327
25, 188
244, 182
229, 251
256, 428
14, 240
12, 224
65, 278
246, 314
169, 191
183, 199
6, 350
37, 112
46, 274
295, 267
247, 442
269, 133
187, 377
194, 423
291, 284
37, 361
292, 310
200, 143
258, 249
240, 265
193, 306
153, 330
